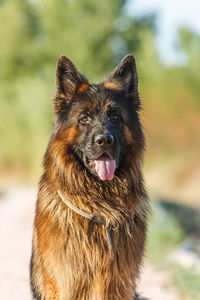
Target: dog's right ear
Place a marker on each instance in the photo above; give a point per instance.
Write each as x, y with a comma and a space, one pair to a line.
68, 80
125, 78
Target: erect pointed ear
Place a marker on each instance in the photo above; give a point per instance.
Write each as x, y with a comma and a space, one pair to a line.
124, 77
68, 82
67, 77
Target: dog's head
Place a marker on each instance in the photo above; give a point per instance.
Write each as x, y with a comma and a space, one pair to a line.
99, 124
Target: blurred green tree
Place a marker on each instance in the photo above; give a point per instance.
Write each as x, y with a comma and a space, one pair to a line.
94, 34
18, 31
189, 43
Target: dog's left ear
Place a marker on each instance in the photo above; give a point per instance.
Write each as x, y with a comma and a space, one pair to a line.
68, 82
124, 77
67, 77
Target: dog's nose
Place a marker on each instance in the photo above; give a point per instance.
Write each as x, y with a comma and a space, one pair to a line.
104, 139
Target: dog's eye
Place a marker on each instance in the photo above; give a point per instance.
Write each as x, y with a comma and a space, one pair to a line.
114, 114
116, 117
84, 119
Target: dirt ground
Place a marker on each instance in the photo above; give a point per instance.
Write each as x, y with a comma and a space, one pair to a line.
16, 219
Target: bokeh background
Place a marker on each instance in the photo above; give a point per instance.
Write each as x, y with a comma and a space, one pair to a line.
165, 40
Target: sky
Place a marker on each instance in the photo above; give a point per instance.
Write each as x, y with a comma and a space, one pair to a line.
171, 15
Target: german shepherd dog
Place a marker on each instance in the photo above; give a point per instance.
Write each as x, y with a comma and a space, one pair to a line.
92, 208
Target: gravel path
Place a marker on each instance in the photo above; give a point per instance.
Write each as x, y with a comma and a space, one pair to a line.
16, 219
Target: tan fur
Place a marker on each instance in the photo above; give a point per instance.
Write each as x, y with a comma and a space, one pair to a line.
73, 252
83, 87
111, 85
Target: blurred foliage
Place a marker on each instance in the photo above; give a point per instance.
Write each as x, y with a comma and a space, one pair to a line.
95, 35
165, 233
187, 282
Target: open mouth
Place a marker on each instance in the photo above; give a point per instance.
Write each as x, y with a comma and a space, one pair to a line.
104, 166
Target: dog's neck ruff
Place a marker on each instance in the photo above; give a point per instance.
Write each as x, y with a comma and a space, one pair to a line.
100, 220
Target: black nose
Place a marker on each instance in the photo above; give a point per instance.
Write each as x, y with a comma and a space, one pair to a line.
104, 139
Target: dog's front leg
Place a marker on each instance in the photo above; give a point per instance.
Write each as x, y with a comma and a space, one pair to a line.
51, 290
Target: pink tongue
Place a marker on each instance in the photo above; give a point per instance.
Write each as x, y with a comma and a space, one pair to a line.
105, 168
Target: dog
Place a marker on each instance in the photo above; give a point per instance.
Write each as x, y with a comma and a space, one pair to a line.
92, 207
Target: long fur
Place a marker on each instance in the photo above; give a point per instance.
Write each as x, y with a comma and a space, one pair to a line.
71, 257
